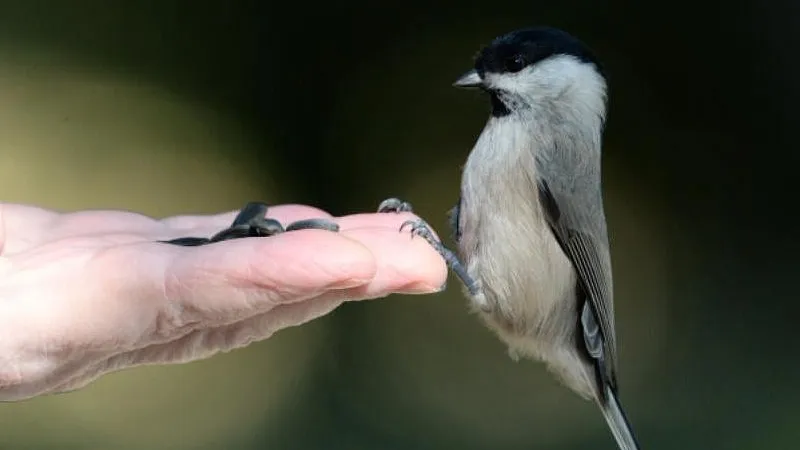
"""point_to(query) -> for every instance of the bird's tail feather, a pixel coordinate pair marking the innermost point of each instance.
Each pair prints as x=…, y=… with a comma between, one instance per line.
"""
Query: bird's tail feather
x=615, y=417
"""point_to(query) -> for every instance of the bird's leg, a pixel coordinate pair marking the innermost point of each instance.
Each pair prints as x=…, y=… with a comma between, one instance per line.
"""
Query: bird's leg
x=420, y=228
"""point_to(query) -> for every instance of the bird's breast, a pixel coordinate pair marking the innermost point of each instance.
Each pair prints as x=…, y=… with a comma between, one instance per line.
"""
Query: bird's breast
x=525, y=279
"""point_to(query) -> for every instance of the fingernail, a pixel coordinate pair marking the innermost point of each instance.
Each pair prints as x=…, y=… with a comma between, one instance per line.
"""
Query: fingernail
x=422, y=288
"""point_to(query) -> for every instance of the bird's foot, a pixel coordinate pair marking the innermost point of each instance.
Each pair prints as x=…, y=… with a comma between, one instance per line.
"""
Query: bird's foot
x=421, y=228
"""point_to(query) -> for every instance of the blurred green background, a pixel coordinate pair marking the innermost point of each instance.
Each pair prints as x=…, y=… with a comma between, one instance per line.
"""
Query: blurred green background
x=178, y=107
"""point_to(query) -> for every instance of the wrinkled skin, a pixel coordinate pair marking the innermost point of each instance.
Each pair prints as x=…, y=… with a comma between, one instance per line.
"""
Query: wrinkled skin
x=88, y=293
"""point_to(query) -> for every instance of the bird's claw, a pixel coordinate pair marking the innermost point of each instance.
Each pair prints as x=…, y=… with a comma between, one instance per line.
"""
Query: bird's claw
x=414, y=224
x=421, y=228
x=394, y=205
x=418, y=228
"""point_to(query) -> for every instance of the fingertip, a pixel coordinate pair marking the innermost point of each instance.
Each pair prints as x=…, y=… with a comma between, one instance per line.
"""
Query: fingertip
x=405, y=264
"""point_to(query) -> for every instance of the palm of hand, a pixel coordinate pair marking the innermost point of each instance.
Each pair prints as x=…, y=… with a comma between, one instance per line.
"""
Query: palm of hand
x=88, y=293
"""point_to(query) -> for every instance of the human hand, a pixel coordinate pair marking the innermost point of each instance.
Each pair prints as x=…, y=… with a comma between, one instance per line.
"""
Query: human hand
x=88, y=293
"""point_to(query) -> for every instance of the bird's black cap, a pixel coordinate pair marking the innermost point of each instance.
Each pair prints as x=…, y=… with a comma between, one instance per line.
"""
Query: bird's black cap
x=514, y=51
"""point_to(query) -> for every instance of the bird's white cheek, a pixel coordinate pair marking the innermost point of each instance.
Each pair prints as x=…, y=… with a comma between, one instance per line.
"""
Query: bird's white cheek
x=506, y=83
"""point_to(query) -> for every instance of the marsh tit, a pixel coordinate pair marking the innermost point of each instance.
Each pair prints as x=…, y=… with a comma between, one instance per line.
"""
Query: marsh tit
x=530, y=226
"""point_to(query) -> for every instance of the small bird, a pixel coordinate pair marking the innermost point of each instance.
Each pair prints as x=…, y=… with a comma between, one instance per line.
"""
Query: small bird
x=530, y=225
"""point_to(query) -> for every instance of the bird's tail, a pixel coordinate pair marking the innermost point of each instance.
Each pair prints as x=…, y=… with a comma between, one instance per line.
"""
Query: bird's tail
x=615, y=417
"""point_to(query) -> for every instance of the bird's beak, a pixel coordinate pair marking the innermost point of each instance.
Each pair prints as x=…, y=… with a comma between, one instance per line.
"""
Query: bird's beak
x=470, y=79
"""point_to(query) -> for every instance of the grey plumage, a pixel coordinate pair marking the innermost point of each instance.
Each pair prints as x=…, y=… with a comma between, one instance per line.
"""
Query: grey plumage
x=530, y=224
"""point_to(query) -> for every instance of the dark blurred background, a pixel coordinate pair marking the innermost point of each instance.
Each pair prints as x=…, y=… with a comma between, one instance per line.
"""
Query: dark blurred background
x=197, y=107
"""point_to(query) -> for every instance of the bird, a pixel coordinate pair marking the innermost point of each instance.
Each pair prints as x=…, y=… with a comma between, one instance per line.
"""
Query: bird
x=530, y=227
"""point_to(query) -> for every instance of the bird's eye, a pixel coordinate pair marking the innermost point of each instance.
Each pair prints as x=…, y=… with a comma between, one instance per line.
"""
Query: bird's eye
x=515, y=63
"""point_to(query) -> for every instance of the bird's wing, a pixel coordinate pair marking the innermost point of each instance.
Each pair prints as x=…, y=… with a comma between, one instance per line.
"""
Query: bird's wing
x=590, y=259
